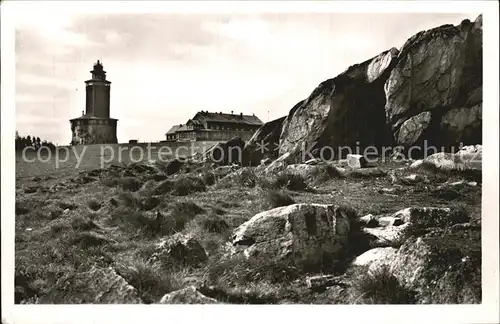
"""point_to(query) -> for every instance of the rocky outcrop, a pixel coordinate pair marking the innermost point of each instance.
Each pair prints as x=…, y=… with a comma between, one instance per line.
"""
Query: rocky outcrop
x=449, y=260
x=98, y=286
x=434, y=92
x=430, y=90
x=343, y=111
x=264, y=142
x=440, y=267
x=391, y=231
x=309, y=234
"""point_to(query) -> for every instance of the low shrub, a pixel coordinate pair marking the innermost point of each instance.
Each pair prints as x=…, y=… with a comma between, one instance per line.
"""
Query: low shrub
x=94, y=204
x=186, y=185
x=378, y=287
x=240, y=270
x=133, y=220
x=83, y=223
x=208, y=178
x=150, y=281
x=130, y=183
x=182, y=213
x=212, y=223
x=290, y=181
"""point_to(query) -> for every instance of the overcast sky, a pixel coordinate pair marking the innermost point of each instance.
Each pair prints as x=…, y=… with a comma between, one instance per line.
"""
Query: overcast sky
x=166, y=67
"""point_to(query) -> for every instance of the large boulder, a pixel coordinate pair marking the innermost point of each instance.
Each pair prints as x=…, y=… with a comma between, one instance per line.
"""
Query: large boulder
x=264, y=142
x=347, y=110
x=375, y=258
x=434, y=92
x=306, y=234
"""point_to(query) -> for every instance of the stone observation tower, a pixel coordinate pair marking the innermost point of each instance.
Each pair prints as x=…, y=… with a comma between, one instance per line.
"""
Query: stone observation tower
x=95, y=126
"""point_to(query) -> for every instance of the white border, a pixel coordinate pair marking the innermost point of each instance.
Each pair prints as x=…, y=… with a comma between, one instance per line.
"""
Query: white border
x=484, y=313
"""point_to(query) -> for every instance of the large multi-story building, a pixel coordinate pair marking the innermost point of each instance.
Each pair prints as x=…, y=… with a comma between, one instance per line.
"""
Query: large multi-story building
x=95, y=125
x=212, y=126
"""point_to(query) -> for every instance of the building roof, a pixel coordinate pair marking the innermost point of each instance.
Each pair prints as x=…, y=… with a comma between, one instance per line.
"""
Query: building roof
x=182, y=128
x=173, y=129
x=205, y=116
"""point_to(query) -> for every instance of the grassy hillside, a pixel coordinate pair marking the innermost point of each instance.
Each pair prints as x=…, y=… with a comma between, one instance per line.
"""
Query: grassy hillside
x=94, y=156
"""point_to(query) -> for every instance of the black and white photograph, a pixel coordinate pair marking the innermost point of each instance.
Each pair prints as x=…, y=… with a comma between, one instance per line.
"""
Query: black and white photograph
x=250, y=153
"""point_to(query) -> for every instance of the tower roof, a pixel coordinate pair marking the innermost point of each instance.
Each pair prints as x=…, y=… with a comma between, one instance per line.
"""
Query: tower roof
x=98, y=72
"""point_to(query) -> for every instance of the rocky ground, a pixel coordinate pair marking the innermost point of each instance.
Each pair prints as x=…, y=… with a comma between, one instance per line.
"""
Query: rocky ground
x=278, y=228
x=320, y=233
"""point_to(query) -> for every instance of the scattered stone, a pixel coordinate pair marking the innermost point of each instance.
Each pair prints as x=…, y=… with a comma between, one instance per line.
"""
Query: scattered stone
x=67, y=205
x=356, y=161
x=98, y=286
x=324, y=281
x=189, y=295
x=462, y=183
x=414, y=179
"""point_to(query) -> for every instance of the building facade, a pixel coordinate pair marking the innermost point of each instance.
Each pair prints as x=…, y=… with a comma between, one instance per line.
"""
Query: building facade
x=95, y=125
x=210, y=126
